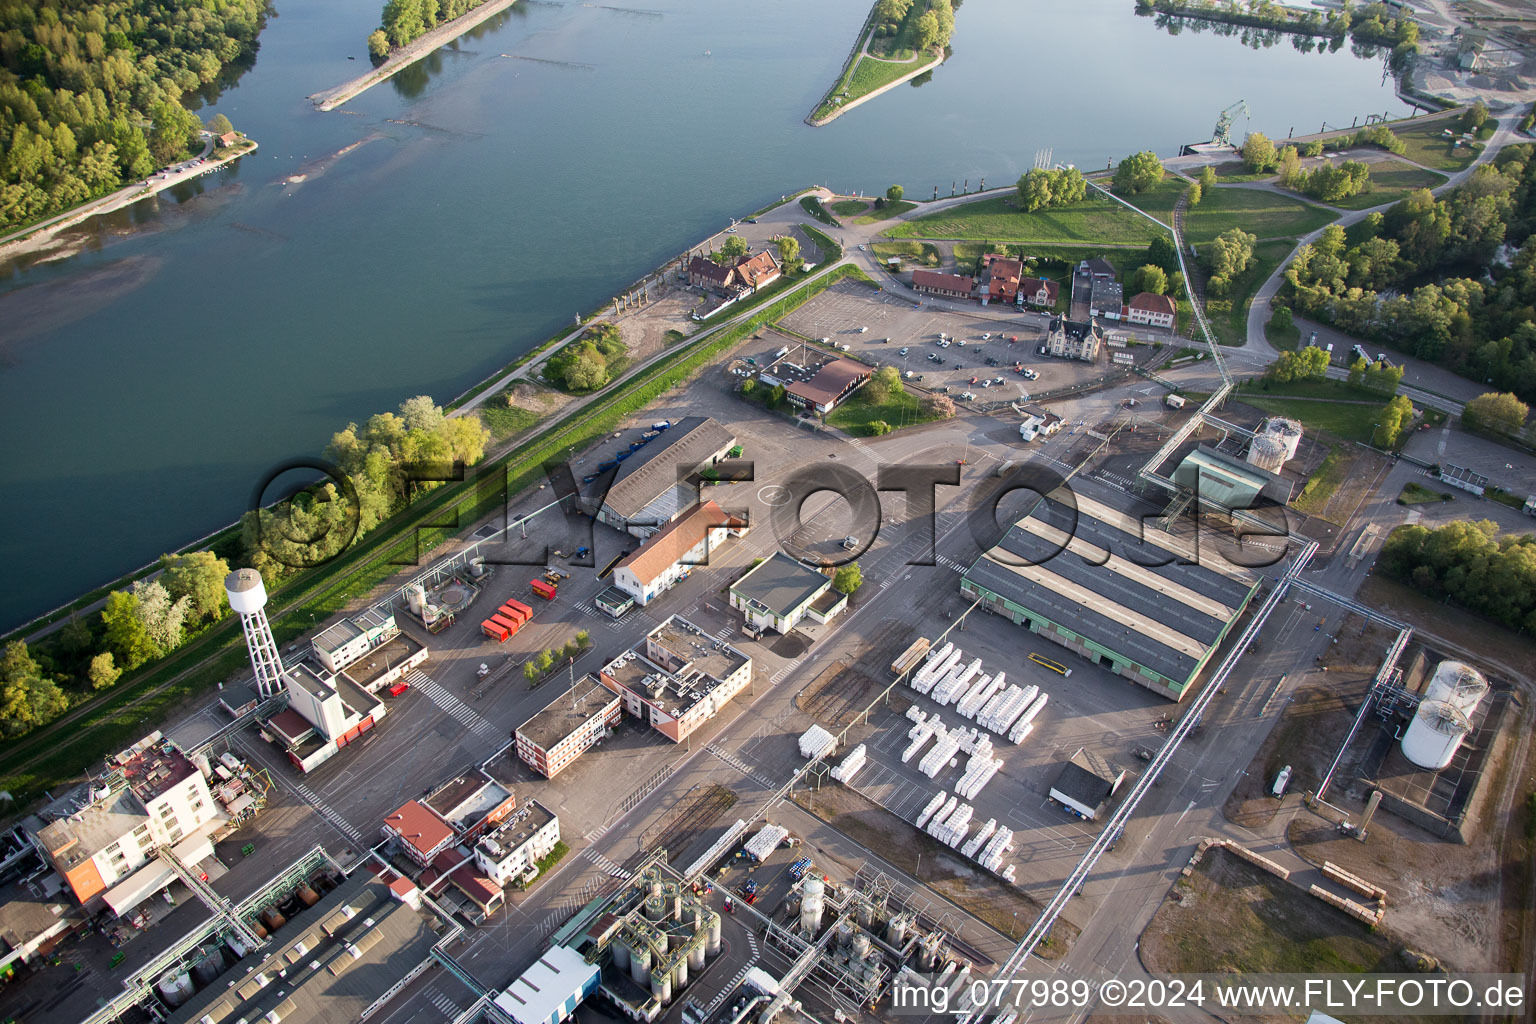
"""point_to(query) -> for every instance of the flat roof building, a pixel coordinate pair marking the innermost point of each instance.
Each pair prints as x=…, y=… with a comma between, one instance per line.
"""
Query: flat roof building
x=572, y=722
x=1086, y=781
x=777, y=593
x=677, y=678
x=668, y=555
x=647, y=490
x=832, y=383
x=336, y=709
x=1223, y=481
x=343, y=642
x=471, y=803
x=550, y=990
x=513, y=849
x=1144, y=603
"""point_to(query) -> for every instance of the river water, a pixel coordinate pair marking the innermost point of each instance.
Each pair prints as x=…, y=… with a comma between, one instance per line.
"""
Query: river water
x=457, y=215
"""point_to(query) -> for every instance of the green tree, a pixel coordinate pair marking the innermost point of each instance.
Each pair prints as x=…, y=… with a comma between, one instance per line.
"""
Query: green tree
x=882, y=385
x=583, y=639
x=848, y=578
x=175, y=131
x=925, y=32
x=126, y=636
x=546, y=659
x=1229, y=254
x=732, y=250
x=199, y=577
x=1498, y=412
x=1289, y=168
x=218, y=124
x=27, y=699
x=1163, y=253
x=1474, y=117
x=1394, y=416
x=1138, y=173
x=1357, y=371
x=748, y=386
x=875, y=428
x=1258, y=152
x=1150, y=277
x=102, y=673
x=1193, y=194
x=1383, y=378
x=894, y=193
x=1281, y=318
x=75, y=637
x=1312, y=148
x=789, y=253
x=1207, y=178
x=161, y=615
x=378, y=44
x=776, y=396
x=530, y=671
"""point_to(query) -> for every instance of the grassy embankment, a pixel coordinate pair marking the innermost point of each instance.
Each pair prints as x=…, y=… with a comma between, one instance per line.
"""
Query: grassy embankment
x=1093, y=220
x=1430, y=146
x=902, y=409
x=55, y=754
x=1260, y=212
x=925, y=253
x=1391, y=180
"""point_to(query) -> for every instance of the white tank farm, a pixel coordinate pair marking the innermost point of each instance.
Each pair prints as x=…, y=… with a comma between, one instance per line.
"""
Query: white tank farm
x=1444, y=717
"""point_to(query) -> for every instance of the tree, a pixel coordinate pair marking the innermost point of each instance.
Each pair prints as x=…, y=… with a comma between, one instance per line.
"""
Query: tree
x=218, y=124
x=378, y=44
x=1258, y=152
x=102, y=673
x=776, y=396
x=125, y=634
x=1207, y=178
x=939, y=407
x=1281, y=318
x=925, y=32
x=1496, y=412
x=749, y=385
x=1039, y=188
x=733, y=249
x=1150, y=278
x=1313, y=148
x=789, y=253
x=894, y=193
x=75, y=636
x=530, y=671
x=161, y=616
x=1357, y=371
x=1474, y=117
x=1382, y=377
x=884, y=384
x=1394, y=415
x=875, y=428
x=175, y=131
x=1138, y=172
x=1161, y=252
x=1193, y=194
x=546, y=659
x=27, y=699
x=1228, y=255
x=848, y=578
x=199, y=577
x=1290, y=166
x=583, y=639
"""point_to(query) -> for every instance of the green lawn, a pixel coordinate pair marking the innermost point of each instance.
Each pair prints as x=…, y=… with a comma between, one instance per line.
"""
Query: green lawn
x=1390, y=181
x=1321, y=485
x=1332, y=390
x=849, y=207
x=1234, y=171
x=997, y=218
x=886, y=212
x=855, y=415
x=1341, y=419
x=1428, y=145
x=1229, y=315
x=506, y=421
x=1285, y=338
x=925, y=252
x=1257, y=211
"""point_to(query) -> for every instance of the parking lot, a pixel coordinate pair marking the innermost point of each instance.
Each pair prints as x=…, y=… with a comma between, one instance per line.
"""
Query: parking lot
x=983, y=345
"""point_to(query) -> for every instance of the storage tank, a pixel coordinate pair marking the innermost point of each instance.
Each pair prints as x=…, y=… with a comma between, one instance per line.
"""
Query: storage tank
x=896, y=931
x=1287, y=432
x=680, y=975
x=812, y=896
x=208, y=969
x=1444, y=716
x=696, y=957
x=713, y=948
x=844, y=932
x=620, y=957
x=640, y=966
x=416, y=599
x=860, y=945
x=175, y=988
x=1267, y=453
x=661, y=987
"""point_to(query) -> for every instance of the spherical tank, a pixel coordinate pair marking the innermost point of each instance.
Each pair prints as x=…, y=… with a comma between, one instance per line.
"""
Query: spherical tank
x=247, y=594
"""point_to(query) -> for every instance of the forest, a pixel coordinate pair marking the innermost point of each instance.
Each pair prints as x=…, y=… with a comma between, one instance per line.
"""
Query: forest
x=1469, y=563
x=96, y=94
x=1447, y=279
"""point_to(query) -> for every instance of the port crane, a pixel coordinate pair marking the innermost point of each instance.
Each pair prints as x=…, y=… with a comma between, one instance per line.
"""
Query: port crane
x=1223, y=134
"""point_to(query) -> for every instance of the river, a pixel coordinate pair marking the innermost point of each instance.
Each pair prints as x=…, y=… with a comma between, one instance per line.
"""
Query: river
x=480, y=200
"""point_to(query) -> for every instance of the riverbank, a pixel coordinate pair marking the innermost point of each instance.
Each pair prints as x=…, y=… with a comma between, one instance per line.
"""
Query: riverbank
x=38, y=237
x=408, y=54
x=849, y=80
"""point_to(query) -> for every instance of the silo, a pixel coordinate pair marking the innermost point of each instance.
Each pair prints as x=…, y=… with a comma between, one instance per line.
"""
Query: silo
x=208, y=969
x=640, y=965
x=655, y=907
x=1444, y=716
x=416, y=599
x=896, y=931
x=1267, y=453
x=661, y=987
x=860, y=945
x=680, y=974
x=714, y=934
x=620, y=956
x=844, y=932
x=174, y=987
x=812, y=895
x=1287, y=432
x=696, y=956
x=866, y=913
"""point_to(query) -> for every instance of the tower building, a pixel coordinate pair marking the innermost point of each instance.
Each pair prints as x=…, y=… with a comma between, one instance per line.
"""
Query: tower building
x=248, y=598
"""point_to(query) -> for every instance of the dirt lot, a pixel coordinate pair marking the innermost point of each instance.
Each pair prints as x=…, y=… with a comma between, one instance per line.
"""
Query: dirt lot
x=979, y=893
x=1452, y=629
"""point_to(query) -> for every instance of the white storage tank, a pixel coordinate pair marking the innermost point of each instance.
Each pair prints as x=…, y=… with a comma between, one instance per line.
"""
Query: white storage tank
x=1267, y=453
x=1287, y=432
x=1444, y=717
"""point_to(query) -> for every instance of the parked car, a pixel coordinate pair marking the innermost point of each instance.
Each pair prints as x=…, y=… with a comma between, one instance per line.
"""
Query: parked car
x=968, y=397
x=903, y=352
x=987, y=336
x=863, y=330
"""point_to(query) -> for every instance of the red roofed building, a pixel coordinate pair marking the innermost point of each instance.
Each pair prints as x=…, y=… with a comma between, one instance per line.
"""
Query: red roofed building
x=1002, y=278
x=1037, y=291
x=1151, y=309
x=667, y=555
x=422, y=834
x=747, y=274
x=486, y=894
x=754, y=272
x=954, y=286
x=832, y=383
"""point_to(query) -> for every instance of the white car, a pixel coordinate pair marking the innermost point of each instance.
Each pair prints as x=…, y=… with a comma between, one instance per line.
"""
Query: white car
x=987, y=336
x=863, y=330
x=903, y=351
x=968, y=397
x=961, y=343
x=861, y=248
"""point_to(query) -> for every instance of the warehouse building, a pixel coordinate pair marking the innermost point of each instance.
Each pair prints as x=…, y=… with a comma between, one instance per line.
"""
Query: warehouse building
x=677, y=678
x=779, y=591
x=1086, y=781
x=1109, y=587
x=1225, y=481
x=646, y=490
x=573, y=722
x=550, y=990
x=673, y=551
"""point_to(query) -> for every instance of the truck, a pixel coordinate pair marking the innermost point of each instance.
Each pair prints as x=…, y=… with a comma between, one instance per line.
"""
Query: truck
x=1174, y=401
x=910, y=658
x=749, y=890
x=798, y=869
x=660, y=425
x=545, y=590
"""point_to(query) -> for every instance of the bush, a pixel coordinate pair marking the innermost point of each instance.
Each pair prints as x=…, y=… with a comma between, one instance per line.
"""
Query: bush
x=877, y=427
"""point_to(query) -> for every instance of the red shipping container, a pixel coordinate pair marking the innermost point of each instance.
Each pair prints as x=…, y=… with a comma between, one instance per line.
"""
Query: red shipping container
x=495, y=630
x=544, y=590
x=512, y=614
x=527, y=611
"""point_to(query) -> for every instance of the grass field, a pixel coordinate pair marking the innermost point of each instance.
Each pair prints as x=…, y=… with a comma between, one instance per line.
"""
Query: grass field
x=1344, y=420
x=1257, y=211
x=504, y=421
x=886, y=212
x=1390, y=181
x=855, y=415
x=1092, y=220
x=1428, y=145
x=1284, y=338
x=849, y=207
x=925, y=252
x=1321, y=485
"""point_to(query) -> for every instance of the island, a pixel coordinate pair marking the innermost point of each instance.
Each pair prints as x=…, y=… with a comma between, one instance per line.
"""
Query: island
x=900, y=40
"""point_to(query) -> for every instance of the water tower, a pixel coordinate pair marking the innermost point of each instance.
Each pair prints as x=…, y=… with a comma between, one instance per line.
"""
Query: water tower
x=248, y=599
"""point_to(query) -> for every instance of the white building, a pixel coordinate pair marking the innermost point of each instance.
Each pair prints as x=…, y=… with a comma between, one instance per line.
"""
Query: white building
x=1151, y=309
x=677, y=678
x=671, y=553
x=339, y=645
x=325, y=713
x=550, y=990
x=516, y=845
